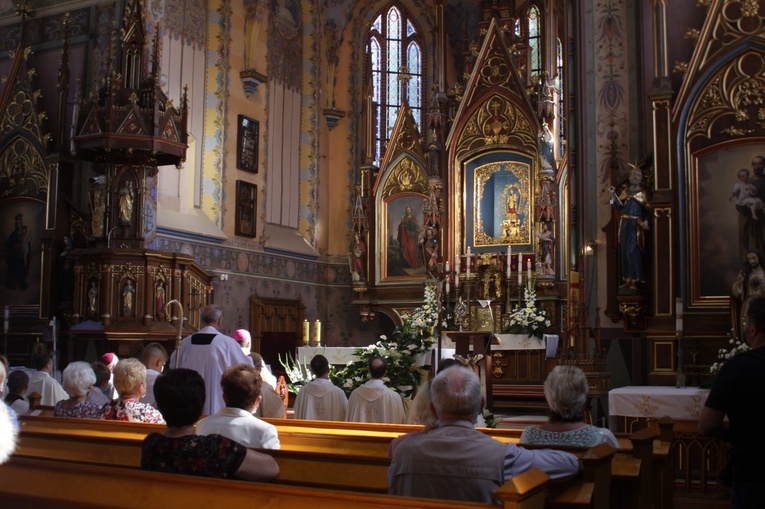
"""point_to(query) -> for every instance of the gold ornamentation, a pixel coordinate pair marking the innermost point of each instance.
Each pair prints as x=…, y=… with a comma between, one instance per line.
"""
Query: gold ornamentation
x=496, y=121
x=518, y=192
x=646, y=407
x=692, y=33
x=406, y=176
x=680, y=66
x=736, y=132
x=631, y=310
x=749, y=8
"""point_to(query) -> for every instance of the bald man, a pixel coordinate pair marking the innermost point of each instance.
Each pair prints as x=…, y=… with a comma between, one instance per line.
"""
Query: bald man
x=373, y=401
x=210, y=353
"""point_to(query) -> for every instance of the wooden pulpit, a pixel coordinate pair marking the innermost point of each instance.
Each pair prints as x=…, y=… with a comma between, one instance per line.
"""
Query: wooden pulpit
x=479, y=341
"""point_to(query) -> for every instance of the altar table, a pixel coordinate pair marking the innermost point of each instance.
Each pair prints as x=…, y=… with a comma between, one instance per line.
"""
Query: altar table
x=337, y=355
x=627, y=405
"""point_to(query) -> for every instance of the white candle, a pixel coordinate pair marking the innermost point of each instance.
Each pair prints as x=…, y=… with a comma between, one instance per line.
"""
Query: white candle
x=468, y=263
x=447, y=266
x=528, y=269
x=457, y=265
x=457, y=280
x=520, y=269
x=509, y=256
x=317, y=332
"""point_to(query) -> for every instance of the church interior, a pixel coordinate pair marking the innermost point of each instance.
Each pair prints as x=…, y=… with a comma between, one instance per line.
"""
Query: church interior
x=309, y=166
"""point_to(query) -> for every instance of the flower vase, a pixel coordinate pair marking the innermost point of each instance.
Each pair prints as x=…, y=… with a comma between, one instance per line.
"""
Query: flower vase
x=423, y=359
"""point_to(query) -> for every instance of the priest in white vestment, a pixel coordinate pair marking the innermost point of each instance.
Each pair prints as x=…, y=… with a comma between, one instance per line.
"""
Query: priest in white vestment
x=209, y=353
x=45, y=385
x=320, y=399
x=373, y=401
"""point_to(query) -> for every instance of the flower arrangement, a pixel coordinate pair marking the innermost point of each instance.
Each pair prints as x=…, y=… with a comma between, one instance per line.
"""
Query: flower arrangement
x=528, y=319
x=415, y=336
x=724, y=355
x=298, y=374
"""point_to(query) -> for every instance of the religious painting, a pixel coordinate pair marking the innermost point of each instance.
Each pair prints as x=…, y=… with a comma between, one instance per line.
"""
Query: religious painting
x=246, y=199
x=247, y=143
x=402, y=233
x=20, y=229
x=726, y=218
x=501, y=211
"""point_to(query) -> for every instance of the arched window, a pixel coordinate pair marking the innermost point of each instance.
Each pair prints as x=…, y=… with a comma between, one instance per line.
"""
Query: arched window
x=535, y=42
x=395, y=47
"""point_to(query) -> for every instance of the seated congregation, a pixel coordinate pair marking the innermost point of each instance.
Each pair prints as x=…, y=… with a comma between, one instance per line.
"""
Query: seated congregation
x=447, y=459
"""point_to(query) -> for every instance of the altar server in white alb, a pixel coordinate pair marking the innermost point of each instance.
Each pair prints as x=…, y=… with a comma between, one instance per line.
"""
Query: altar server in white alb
x=241, y=389
x=320, y=399
x=209, y=353
x=43, y=383
x=373, y=401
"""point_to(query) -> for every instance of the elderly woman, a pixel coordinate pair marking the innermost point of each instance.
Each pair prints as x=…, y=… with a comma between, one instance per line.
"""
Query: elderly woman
x=78, y=378
x=566, y=394
x=130, y=384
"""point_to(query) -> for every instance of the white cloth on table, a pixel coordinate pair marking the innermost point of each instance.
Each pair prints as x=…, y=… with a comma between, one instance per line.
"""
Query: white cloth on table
x=321, y=400
x=47, y=387
x=240, y=426
x=374, y=402
x=210, y=358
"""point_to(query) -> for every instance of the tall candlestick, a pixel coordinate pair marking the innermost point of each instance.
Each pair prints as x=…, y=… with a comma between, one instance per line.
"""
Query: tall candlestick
x=306, y=332
x=457, y=265
x=317, y=333
x=468, y=263
x=509, y=256
x=679, y=315
x=447, y=287
x=457, y=280
x=528, y=269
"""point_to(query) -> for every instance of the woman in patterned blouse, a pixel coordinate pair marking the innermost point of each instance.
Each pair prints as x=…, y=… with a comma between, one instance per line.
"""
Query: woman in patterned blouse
x=566, y=394
x=180, y=397
x=130, y=384
x=77, y=379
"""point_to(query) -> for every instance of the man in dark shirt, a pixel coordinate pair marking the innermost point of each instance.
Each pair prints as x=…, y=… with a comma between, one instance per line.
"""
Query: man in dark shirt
x=737, y=392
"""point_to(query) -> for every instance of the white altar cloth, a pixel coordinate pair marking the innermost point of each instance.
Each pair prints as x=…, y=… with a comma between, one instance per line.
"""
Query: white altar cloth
x=683, y=403
x=334, y=354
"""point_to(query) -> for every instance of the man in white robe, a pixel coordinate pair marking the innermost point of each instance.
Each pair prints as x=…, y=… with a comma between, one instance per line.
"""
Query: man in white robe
x=241, y=390
x=373, y=401
x=209, y=353
x=45, y=385
x=320, y=399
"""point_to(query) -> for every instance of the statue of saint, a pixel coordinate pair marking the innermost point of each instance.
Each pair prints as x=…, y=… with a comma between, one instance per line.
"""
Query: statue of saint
x=98, y=207
x=546, y=154
x=357, y=258
x=93, y=299
x=429, y=248
x=749, y=284
x=160, y=300
x=128, y=293
x=546, y=239
x=126, y=197
x=634, y=205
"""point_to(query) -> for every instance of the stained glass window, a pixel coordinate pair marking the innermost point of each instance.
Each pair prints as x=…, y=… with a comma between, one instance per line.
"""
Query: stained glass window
x=395, y=46
x=535, y=41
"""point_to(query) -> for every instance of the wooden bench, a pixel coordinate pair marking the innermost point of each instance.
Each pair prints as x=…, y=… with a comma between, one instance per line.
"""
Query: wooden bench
x=77, y=485
x=119, y=443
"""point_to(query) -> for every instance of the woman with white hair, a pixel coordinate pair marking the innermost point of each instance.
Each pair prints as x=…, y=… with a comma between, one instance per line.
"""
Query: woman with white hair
x=78, y=377
x=566, y=394
x=130, y=383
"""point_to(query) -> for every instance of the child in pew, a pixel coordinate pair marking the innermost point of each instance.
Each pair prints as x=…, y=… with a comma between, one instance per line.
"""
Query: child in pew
x=566, y=394
x=78, y=378
x=18, y=384
x=102, y=391
x=180, y=395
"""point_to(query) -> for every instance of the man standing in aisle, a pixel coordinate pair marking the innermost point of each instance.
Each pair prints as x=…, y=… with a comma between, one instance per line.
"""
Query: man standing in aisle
x=209, y=353
x=737, y=393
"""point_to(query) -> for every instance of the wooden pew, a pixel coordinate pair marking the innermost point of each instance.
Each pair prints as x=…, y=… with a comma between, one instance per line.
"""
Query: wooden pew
x=119, y=443
x=76, y=485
